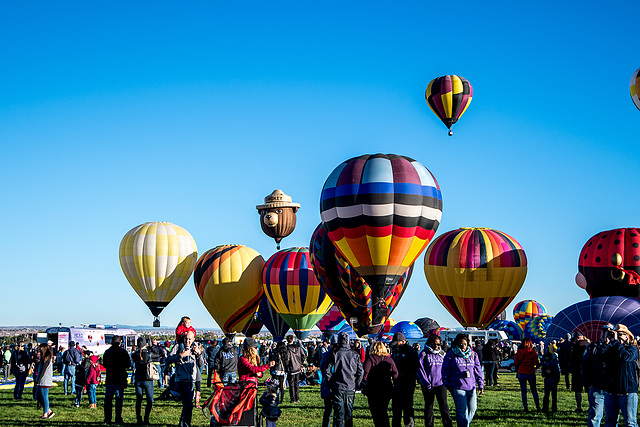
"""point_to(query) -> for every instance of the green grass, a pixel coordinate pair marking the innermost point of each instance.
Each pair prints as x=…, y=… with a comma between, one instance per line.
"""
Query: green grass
x=500, y=406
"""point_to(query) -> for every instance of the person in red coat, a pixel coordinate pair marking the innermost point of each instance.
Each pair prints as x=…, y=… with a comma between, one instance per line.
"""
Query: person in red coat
x=526, y=362
x=249, y=368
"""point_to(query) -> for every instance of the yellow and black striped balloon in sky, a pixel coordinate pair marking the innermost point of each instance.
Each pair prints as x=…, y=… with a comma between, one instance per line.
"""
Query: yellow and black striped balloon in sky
x=158, y=258
x=448, y=97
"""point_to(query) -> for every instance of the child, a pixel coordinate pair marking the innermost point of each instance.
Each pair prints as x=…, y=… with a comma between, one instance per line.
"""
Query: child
x=270, y=401
x=183, y=327
x=81, y=382
x=93, y=379
x=551, y=374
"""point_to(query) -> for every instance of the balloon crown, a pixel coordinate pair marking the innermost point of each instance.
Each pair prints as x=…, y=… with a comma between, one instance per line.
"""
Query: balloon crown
x=278, y=199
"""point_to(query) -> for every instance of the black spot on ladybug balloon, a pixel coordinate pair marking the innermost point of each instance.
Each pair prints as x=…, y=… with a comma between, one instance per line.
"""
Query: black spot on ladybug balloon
x=609, y=264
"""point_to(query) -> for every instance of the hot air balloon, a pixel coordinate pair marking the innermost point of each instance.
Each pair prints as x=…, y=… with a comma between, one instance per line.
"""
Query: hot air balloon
x=536, y=328
x=448, y=97
x=254, y=325
x=346, y=288
x=409, y=329
x=331, y=320
x=272, y=320
x=293, y=290
x=475, y=273
x=512, y=329
x=610, y=263
x=527, y=310
x=157, y=258
x=278, y=215
x=228, y=280
x=380, y=211
x=633, y=87
x=590, y=316
x=427, y=325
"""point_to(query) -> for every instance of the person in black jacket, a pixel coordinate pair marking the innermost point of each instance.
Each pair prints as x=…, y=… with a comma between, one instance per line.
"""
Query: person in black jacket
x=621, y=389
x=211, y=352
x=490, y=359
x=563, y=359
x=294, y=364
x=226, y=362
x=116, y=361
x=141, y=358
x=343, y=372
x=593, y=374
x=576, y=351
x=406, y=360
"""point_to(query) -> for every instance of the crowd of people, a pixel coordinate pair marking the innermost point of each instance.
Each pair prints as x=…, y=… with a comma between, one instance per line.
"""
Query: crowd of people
x=387, y=374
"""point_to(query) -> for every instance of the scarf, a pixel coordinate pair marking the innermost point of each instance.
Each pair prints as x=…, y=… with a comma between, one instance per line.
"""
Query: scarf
x=459, y=353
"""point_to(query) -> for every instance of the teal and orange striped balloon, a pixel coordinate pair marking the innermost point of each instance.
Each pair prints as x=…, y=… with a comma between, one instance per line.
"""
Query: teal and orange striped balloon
x=448, y=97
x=475, y=273
x=294, y=291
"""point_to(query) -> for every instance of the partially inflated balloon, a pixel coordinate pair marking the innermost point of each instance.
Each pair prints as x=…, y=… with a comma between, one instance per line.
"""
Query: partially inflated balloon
x=526, y=310
x=512, y=329
x=330, y=320
x=158, y=258
x=475, y=273
x=294, y=291
x=448, y=97
x=272, y=320
x=409, y=329
x=536, y=328
x=228, y=280
x=634, y=86
x=381, y=211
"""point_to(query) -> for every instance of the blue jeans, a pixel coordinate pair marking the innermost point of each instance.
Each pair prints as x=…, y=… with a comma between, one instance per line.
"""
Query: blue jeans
x=466, y=403
x=596, y=406
x=186, y=394
x=627, y=404
x=110, y=391
x=531, y=379
x=69, y=376
x=21, y=377
x=160, y=367
x=79, y=392
x=230, y=378
x=145, y=387
x=343, y=408
x=91, y=390
x=44, y=398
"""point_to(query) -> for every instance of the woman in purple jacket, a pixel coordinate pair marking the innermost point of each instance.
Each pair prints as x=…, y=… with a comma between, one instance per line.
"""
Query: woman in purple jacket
x=461, y=372
x=430, y=379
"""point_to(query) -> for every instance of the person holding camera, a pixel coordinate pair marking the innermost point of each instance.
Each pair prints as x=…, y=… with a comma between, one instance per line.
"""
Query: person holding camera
x=593, y=374
x=621, y=390
x=187, y=362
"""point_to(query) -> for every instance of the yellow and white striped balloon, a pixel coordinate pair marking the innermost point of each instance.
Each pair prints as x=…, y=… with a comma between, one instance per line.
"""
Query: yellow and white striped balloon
x=158, y=258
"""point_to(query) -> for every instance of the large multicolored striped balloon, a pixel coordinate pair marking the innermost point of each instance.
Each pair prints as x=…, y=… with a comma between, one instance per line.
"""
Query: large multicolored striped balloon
x=348, y=290
x=228, y=280
x=475, y=273
x=536, y=328
x=331, y=320
x=272, y=320
x=448, y=97
x=590, y=316
x=610, y=263
x=381, y=211
x=293, y=290
x=526, y=310
x=634, y=86
x=158, y=258
x=512, y=329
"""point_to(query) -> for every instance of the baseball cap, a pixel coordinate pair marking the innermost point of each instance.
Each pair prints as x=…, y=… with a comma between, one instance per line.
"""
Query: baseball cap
x=397, y=337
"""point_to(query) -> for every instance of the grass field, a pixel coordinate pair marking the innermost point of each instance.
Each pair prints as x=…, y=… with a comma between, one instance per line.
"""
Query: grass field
x=499, y=406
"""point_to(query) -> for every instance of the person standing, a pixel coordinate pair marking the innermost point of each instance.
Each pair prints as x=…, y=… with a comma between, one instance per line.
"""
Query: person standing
x=6, y=362
x=406, y=360
x=226, y=362
x=576, y=351
x=249, y=368
x=70, y=359
x=293, y=366
x=490, y=360
x=116, y=361
x=325, y=391
x=461, y=373
x=430, y=379
x=563, y=359
x=379, y=370
x=158, y=357
x=211, y=353
x=93, y=379
x=526, y=362
x=344, y=374
x=593, y=374
x=279, y=358
x=621, y=390
x=141, y=358
x=187, y=363
x=551, y=374
x=44, y=380
x=20, y=368
x=80, y=383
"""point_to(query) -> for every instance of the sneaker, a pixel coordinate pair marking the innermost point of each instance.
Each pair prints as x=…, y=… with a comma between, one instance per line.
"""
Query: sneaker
x=50, y=414
x=578, y=410
x=77, y=405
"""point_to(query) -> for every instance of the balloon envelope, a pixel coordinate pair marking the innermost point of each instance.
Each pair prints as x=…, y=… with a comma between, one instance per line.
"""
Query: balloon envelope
x=634, y=86
x=409, y=329
x=427, y=325
x=536, y=328
x=381, y=211
x=157, y=259
x=293, y=290
x=272, y=320
x=330, y=320
x=512, y=329
x=228, y=280
x=588, y=317
x=527, y=310
x=448, y=97
x=475, y=273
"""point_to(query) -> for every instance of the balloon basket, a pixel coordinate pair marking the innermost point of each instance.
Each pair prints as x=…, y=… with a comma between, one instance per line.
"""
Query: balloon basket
x=156, y=322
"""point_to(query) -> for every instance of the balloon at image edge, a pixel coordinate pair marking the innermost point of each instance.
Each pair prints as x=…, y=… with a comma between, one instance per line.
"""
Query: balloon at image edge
x=475, y=273
x=634, y=86
x=448, y=97
x=157, y=259
x=294, y=291
x=228, y=280
x=380, y=211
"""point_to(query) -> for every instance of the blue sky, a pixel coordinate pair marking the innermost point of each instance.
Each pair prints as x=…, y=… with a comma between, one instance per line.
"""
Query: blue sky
x=115, y=114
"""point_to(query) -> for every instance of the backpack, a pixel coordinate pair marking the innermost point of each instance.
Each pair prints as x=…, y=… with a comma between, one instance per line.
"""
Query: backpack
x=152, y=372
x=66, y=357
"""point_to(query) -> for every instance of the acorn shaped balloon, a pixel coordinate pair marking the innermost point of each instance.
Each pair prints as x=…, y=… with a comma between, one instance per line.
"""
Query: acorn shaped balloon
x=278, y=215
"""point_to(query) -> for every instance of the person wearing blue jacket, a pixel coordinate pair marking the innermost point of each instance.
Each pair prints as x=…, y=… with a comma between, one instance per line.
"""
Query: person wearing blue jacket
x=621, y=391
x=430, y=379
x=461, y=374
x=550, y=370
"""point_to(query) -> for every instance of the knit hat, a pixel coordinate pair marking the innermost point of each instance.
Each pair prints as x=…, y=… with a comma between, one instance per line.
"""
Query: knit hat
x=249, y=342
